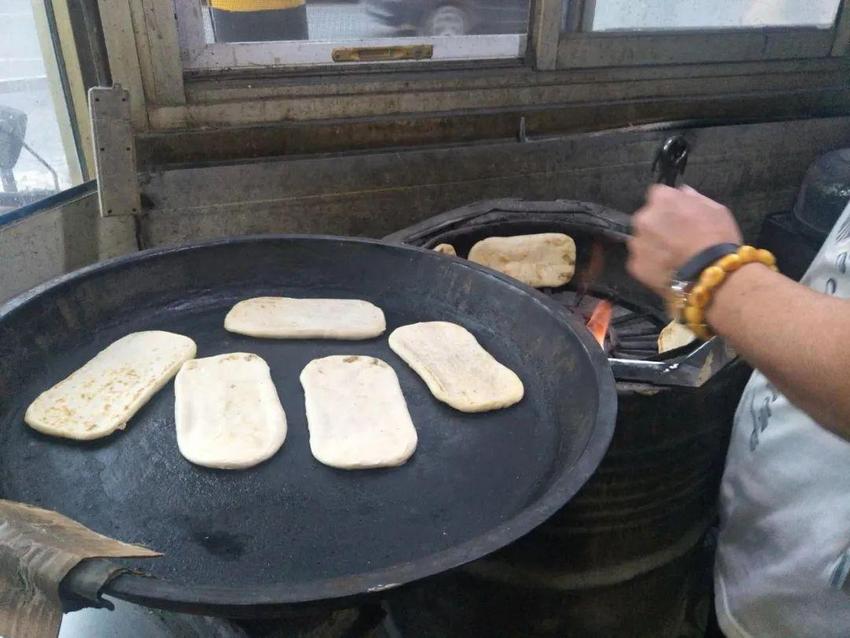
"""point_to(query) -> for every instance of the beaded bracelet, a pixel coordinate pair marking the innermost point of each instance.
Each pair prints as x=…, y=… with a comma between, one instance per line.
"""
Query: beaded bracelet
x=702, y=294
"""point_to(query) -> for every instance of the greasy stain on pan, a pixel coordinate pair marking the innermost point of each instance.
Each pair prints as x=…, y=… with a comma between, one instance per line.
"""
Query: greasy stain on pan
x=293, y=532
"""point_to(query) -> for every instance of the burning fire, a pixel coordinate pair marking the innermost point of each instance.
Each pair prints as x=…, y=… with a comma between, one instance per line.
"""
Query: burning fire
x=599, y=320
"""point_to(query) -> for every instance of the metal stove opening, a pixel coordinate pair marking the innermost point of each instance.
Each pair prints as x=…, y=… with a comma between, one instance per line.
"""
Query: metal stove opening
x=600, y=234
x=637, y=319
x=633, y=331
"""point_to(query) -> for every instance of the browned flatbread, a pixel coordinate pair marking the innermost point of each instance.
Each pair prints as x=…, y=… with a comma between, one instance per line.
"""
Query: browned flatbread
x=543, y=260
x=674, y=335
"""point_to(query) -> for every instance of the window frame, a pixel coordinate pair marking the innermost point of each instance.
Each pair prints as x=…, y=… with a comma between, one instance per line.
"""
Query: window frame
x=143, y=46
x=63, y=80
x=579, y=47
x=198, y=55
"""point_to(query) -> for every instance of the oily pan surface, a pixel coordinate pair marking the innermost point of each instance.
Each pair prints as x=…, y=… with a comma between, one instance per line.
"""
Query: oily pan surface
x=290, y=526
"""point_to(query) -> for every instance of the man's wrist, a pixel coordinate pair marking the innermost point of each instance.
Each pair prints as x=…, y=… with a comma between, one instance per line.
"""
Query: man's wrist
x=701, y=296
x=733, y=294
x=686, y=277
x=704, y=258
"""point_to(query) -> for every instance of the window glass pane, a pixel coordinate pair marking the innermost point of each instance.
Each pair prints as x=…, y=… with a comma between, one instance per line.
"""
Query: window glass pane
x=341, y=20
x=38, y=154
x=614, y=15
x=251, y=33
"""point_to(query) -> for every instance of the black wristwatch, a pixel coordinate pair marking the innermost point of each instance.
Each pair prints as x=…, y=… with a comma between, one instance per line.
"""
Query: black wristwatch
x=685, y=278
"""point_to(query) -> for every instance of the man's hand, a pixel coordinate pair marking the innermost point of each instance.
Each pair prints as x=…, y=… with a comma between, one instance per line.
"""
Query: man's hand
x=799, y=338
x=673, y=226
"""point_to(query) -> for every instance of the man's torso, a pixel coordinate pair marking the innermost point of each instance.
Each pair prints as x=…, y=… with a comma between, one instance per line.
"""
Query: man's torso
x=784, y=551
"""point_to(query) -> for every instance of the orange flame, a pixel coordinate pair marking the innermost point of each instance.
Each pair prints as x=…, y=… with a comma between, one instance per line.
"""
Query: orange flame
x=599, y=320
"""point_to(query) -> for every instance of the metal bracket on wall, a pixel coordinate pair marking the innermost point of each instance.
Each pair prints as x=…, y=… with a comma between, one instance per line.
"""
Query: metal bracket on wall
x=114, y=151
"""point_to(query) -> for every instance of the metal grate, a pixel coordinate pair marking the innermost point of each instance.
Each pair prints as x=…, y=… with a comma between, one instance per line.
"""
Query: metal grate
x=633, y=333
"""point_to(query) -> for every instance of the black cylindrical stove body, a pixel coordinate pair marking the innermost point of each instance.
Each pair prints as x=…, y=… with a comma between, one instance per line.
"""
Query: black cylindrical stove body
x=625, y=557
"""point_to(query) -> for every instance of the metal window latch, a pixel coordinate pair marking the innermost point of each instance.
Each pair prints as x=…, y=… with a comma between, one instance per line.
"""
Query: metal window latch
x=671, y=160
x=114, y=151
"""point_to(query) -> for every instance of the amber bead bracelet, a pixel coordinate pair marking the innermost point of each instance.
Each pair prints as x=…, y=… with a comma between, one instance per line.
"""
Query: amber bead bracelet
x=702, y=294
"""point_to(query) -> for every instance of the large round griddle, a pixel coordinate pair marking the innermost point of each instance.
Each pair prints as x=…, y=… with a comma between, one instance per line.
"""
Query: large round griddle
x=292, y=531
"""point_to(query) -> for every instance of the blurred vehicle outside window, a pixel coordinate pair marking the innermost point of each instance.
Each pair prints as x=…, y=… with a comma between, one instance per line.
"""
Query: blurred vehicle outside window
x=226, y=34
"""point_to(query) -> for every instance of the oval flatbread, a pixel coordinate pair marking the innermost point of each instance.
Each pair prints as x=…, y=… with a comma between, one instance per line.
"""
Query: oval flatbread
x=455, y=367
x=227, y=411
x=290, y=318
x=356, y=413
x=106, y=392
x=541, y=260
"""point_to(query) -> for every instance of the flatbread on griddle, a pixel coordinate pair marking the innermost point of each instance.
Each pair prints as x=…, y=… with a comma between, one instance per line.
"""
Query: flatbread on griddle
x=455, y=367
x=106, y=392
x=227, y=411
x=290, y=318
x=356, y=413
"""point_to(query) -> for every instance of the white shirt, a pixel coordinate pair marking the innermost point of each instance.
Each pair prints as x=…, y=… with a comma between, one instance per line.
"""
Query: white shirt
x=784, y=551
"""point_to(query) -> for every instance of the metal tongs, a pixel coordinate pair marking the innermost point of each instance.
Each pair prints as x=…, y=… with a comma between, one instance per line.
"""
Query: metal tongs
x=671, y=160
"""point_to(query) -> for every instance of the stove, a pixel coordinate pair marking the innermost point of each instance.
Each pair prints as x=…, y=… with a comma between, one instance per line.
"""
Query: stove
x=633, y=331
x=600, y=234
x=627, y=555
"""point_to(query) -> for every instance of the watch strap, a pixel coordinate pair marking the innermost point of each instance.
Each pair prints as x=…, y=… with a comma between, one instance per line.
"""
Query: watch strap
x=702, y=260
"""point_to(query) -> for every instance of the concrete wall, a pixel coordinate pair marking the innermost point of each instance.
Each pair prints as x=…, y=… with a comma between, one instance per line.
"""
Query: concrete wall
x=756, y=169
x=60, y=238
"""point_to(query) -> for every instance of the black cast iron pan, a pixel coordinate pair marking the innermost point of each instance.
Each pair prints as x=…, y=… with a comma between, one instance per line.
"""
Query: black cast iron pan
x=291, y=531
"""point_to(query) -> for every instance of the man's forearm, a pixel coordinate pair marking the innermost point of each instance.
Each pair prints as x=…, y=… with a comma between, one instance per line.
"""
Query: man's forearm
x=798, y=338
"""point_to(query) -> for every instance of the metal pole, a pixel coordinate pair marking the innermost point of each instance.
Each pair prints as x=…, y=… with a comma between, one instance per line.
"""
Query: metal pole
x=7, y=177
